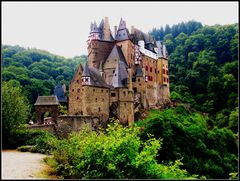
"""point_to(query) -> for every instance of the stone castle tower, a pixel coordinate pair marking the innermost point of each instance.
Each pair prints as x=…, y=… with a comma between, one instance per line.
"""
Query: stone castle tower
x=125, y=71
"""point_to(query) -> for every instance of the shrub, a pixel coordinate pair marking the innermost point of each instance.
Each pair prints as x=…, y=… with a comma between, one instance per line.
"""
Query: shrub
x=116, y=153
x=211, y=153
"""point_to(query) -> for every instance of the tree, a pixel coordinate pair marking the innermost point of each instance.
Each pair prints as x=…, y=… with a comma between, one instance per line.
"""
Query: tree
x=15, y=110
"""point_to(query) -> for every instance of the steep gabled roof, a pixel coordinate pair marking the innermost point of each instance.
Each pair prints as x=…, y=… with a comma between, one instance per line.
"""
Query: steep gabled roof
x=165, y=53
x=159, y=46
x=46, y=101
x=95, y=76
x=120, y=75
x=117, y=53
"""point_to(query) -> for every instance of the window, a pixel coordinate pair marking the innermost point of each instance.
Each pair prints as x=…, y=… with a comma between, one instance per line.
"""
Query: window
x=78, y=90
x=77, y=98
x=167, y=72
x=103, y=100
x=93, y=90
x=77, y=81
x=155, y=71
x=163, y=71
x=138, y=79
x=72, y=90
x=106, y=91
x=119, y=35
x=158, y=71
x=96, y=99
x=113, y=71
x=150, y=69
x=101, y=90
x=124, y=93
x=140, y=84
x=146, y=68
x=113, y=94
x=99, y=109
x=164, y=79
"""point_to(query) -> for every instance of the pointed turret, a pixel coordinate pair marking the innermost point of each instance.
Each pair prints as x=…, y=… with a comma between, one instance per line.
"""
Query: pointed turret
x=86, y=75
x=94, y=33
x=104, y=30
x=122, y=32
x=120, y=75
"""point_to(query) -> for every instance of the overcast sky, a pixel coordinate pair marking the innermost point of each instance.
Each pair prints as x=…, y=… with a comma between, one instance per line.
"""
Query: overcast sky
x=62, y=27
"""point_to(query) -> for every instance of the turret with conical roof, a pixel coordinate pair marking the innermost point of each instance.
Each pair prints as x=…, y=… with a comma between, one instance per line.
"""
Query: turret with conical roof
x=86, y=75
x=122, y=32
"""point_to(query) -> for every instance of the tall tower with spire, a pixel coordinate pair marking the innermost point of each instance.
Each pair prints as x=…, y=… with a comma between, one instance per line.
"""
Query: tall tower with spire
x=100, y=43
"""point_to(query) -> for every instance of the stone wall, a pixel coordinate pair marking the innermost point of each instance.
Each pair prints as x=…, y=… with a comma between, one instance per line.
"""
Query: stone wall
x=68, y=123
x=96, y=102
x=51, y=128
x=75, y=93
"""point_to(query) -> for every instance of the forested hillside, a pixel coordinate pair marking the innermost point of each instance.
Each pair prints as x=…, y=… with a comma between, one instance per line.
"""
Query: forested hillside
x=203, y=65
x=37, y=71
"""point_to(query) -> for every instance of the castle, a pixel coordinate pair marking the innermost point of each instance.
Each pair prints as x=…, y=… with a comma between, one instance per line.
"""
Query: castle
x=125, y=71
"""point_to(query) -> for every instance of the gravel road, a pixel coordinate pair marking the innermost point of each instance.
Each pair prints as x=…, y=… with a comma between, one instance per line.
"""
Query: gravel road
x=21, y=165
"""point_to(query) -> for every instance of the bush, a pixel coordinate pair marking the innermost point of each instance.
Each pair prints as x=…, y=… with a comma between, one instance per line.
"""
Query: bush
x=36, y=141
x=116, y=153
x=186, y=135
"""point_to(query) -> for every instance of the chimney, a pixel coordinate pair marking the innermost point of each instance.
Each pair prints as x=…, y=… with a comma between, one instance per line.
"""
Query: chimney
x=132, y=29
x=106, y=20
x=115, y=31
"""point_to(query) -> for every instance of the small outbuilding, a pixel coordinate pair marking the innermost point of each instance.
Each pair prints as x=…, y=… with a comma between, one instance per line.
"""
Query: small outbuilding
x=48, y=104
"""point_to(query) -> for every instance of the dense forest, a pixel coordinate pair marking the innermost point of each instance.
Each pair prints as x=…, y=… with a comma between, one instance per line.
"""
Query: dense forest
x=37, y=71
x=196, y=139
x=203, y=66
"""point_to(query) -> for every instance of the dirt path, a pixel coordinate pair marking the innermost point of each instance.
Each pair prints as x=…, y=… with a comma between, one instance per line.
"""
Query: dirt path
x=21, y=165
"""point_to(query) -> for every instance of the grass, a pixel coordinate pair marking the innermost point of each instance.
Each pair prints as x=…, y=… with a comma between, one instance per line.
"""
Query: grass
x=47, y=171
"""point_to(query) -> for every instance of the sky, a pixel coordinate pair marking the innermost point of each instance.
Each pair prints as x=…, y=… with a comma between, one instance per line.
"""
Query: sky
x=62, y=28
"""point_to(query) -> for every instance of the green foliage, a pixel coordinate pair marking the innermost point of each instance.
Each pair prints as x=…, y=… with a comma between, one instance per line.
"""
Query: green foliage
x=15, y=111
x=37, y=71
x=62, y=110
x=115, y=153
x=203, y=66
x=45, y=144
x=233, y=120
x=188, y=136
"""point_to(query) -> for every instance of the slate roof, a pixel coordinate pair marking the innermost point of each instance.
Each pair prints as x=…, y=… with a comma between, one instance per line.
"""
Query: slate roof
x=59, y=92
x=94, y=27
x=165, y=53
x=120, y=75
x=122, y=32
x=95, y=76
x=46, y=101
x=117, y=53
x=159, y=45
